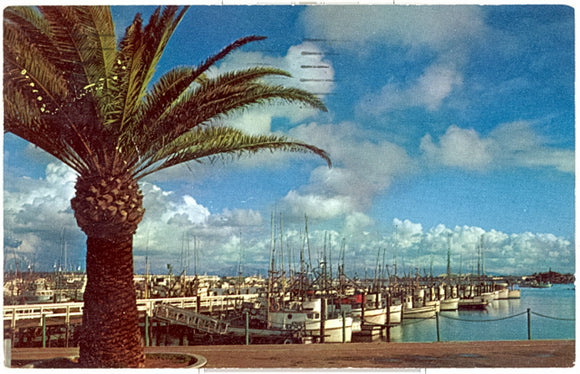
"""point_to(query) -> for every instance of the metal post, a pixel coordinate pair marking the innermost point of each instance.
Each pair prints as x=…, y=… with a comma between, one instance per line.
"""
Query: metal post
x=343, y=326
x=388, y=326
x=43, y=331
x=7, y=352
x=322, y=319
x=146, y=329
x=247, y=328
x=529, y=325
x=437, y=324
x=66, y=334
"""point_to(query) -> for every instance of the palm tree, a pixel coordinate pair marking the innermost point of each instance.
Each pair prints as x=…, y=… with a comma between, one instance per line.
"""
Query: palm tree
x=73, y=91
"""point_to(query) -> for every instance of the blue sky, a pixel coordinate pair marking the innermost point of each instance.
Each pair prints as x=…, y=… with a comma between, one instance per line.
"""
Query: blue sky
x=443, y=122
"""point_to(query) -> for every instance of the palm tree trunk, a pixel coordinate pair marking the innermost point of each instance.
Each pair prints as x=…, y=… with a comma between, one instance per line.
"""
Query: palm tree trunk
x=110, y=327
x=108, y=210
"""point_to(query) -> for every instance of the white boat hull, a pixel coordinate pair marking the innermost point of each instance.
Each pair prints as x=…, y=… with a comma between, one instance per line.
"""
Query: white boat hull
x=395, y=313
x=514, y=294
x=336, y=330
x=434, y=303
x=420, y=312
x=376, y=316
x=473, y=304
x=450, y=304
x=503, y=294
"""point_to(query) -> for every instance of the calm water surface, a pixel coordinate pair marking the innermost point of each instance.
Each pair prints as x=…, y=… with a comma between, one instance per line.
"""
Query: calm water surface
x=502, y=320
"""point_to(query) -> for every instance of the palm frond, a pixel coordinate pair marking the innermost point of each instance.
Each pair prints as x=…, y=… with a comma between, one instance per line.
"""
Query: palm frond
x=51, y=73
x=28, y=50
x=151, y=130
x=219, y=97
x=71, y=90
x=28, y=122
x=214, y=100
x=140, y=52
x=103, y=37
x=174, y=83
x=204, y=143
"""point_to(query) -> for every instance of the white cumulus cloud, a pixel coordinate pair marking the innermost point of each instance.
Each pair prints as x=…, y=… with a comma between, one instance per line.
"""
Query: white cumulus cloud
x=462, y=148
x=513, y=144
x=362, y=170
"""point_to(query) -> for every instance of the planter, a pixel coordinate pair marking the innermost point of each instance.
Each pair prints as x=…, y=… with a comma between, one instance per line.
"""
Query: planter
x=152, y=360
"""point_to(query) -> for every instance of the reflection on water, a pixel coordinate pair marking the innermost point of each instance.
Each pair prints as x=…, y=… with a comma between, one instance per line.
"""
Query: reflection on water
x=502, y=320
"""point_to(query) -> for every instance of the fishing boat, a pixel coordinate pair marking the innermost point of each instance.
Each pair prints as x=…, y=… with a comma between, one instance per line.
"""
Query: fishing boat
x=476, y=303
x=514, y=293
x=434, y=303
x=421, y=312
x=38, y=292
x=38, y=296
x=372, y=316
x=490, y=296
x=503, y=294
x=541, y=284
x=378, y=316
x=395, y=313
x=306, y=315
x=412, y=310
x=449, y=304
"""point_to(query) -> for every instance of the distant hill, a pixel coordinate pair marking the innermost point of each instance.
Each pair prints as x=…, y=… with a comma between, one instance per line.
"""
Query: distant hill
x=553, y=277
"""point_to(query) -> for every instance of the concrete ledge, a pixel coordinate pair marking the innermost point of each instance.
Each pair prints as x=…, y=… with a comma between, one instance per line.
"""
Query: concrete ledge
x=512, y=354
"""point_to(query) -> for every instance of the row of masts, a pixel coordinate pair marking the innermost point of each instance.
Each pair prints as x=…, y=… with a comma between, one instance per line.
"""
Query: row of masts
x=322, y=276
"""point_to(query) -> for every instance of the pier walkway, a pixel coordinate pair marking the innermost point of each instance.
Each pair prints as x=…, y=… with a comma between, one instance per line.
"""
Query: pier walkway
x=496, y=354
x=63, y=313
x=186, y=317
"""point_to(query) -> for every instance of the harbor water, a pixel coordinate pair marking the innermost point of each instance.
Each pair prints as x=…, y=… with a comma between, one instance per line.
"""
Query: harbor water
x=551, y=315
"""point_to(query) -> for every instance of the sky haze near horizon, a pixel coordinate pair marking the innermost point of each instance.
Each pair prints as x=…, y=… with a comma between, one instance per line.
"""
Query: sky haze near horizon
x=448, y=126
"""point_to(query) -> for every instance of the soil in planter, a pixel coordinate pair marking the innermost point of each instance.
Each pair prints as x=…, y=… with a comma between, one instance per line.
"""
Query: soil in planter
x=152, y=360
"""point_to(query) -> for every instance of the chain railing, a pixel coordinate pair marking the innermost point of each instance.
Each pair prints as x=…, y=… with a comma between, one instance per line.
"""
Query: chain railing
x=528, y=313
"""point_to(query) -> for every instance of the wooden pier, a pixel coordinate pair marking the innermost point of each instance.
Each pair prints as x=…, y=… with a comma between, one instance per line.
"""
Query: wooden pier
x=58, y=323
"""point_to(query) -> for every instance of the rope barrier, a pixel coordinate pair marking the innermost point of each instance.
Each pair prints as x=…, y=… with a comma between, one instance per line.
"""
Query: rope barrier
x=556, y=318
x=528, y=313
x=485, y=320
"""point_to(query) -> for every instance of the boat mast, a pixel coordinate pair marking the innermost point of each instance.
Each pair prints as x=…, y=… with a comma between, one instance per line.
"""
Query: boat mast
x=241, y=254
x=341, y=275
x=449, y=256
x=482, y=257
x=195, y=255
x=478, y=261
x=309, y=266
x=147, y=267
x=282, y=265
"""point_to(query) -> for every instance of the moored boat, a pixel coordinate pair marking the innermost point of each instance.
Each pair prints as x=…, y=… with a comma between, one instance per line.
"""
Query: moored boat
x=450, y=304
x=395, y=312
x=434, y=303
x=307, y=315
x=420, y=312
x=411, y=311
x=541, y=285
x=477, y=303
x=503, y=294
x=38, y=292
x=336, y=330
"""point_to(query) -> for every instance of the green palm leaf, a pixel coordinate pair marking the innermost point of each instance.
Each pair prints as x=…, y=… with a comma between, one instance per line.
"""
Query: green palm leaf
x=206, y=142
